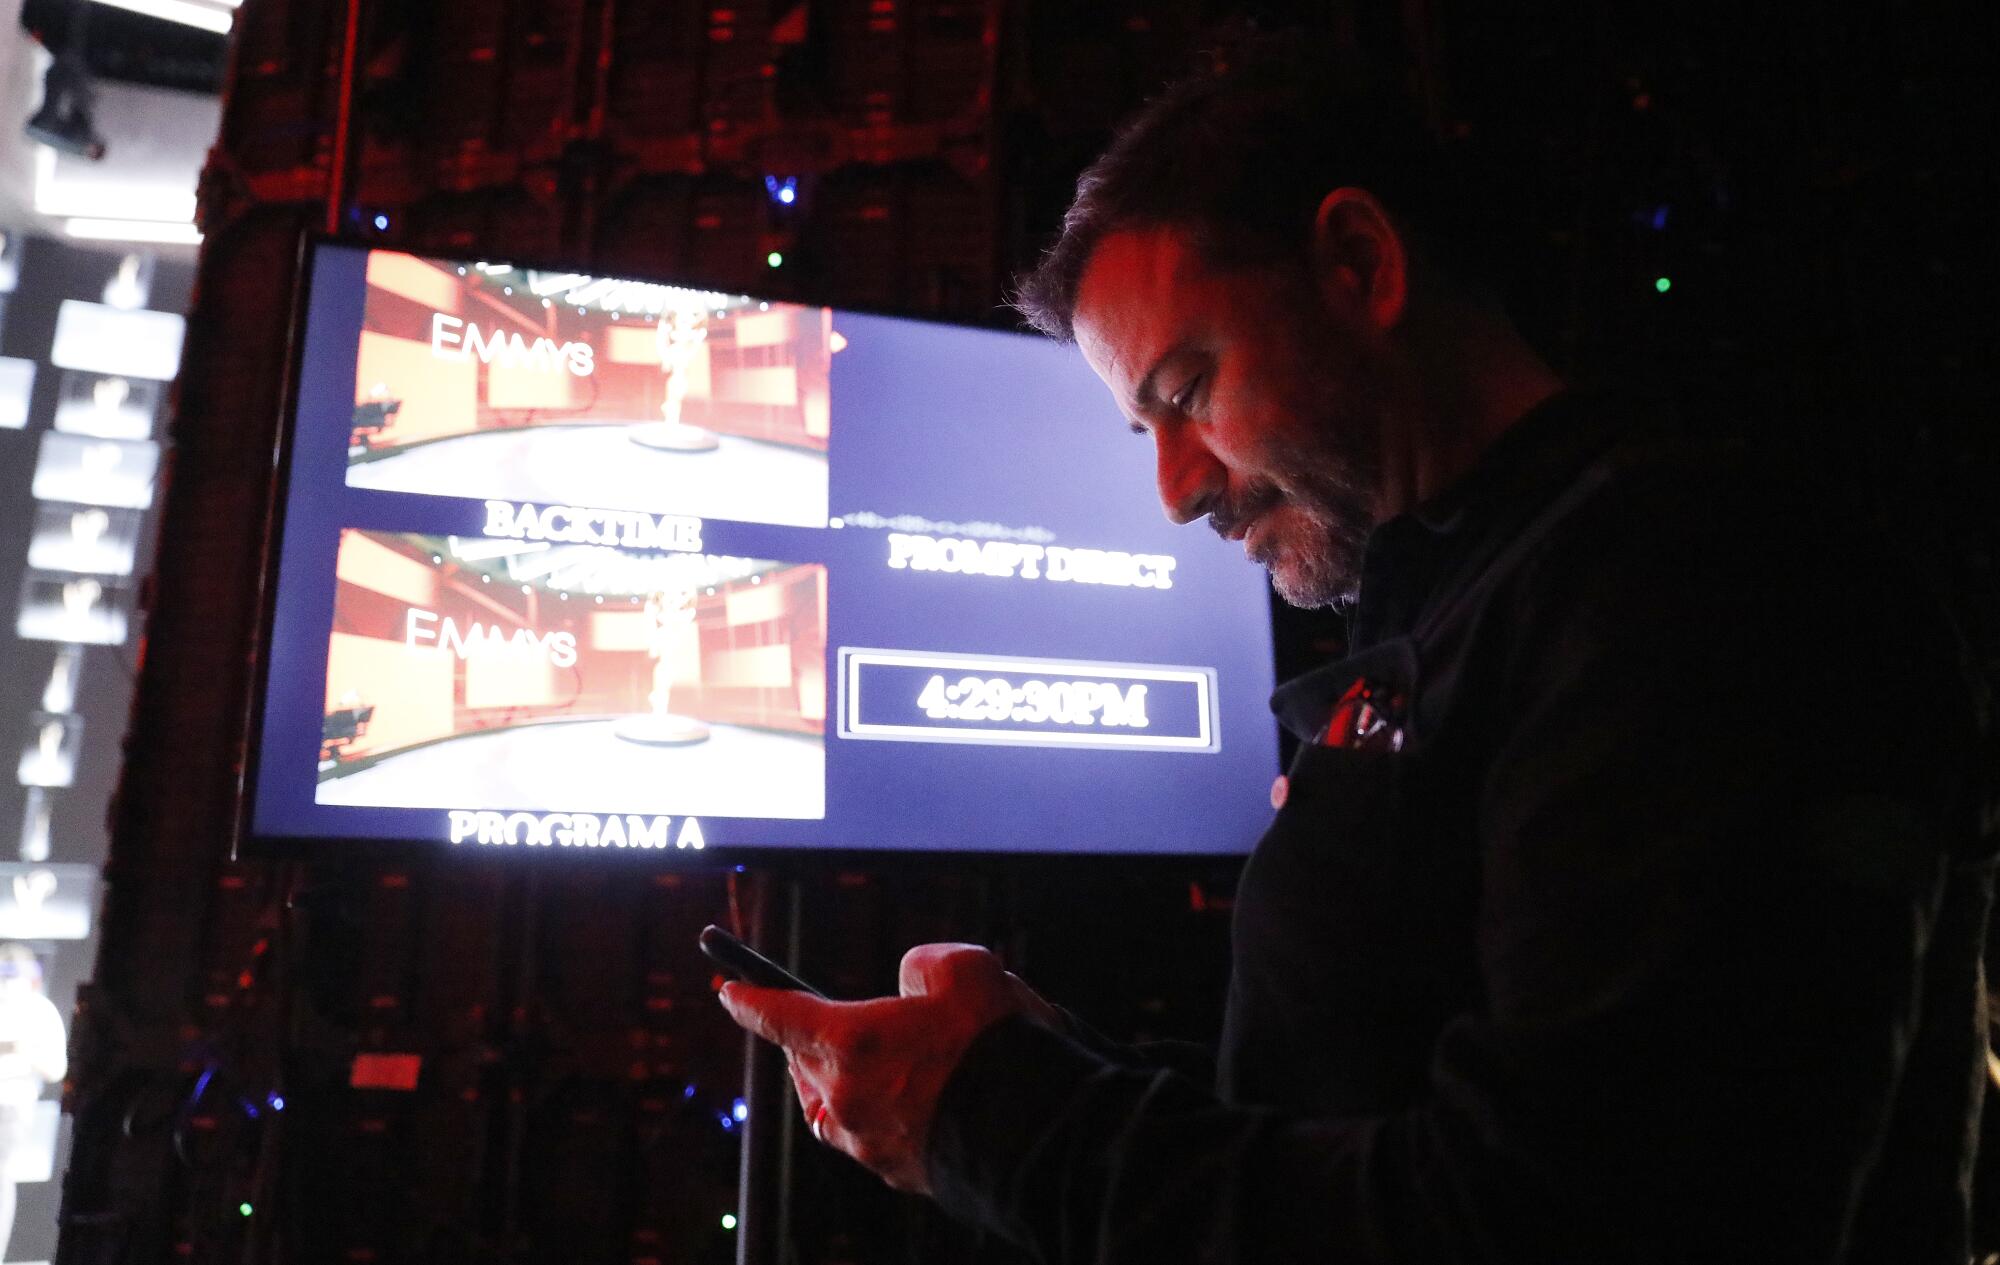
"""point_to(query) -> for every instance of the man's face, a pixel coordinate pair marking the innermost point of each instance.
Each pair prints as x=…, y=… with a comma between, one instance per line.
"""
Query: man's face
x=1265, y=413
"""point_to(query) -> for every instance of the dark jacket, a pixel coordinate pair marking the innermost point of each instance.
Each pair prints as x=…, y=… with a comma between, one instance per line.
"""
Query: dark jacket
x=1631, y=910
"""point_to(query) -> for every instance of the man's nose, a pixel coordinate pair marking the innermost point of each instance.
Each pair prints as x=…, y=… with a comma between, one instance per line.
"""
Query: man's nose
x=1189, y=476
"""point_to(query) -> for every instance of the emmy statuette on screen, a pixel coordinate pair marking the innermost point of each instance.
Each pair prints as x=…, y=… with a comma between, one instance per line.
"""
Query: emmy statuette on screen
x=681, y=330
x=670, y=615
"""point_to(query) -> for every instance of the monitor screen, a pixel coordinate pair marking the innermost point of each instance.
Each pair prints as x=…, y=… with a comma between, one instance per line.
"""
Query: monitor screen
x=585, y=564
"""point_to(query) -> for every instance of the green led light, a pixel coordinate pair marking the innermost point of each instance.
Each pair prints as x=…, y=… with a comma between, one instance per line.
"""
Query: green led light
x=244, y=1208
x=729, y=1221
x=1663, y=285
x=775, y=259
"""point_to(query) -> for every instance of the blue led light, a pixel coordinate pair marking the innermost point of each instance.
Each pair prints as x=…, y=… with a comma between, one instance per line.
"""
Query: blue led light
x=741, y=1110
x=688, y=1092
x=381, y=222
x=277, y=1102
x=784, y=192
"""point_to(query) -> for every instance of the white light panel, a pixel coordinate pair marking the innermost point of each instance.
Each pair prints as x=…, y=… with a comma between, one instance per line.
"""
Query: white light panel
x=35, y=814
x=89, y=471
x=209, y=17
x=46, y=902
x=98, y=338
x=89, y=539
x=48, y=756
x=84, y=610
x=107, y=405
x=17, y=392
x=59, y=689
x=163, y=232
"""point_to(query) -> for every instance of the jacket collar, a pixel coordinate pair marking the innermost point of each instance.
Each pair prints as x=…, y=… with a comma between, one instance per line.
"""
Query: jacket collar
x=1536, y=457
x=1407, y=556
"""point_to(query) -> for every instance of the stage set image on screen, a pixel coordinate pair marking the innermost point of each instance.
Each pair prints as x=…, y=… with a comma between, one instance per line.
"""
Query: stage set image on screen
x=586, y=564
x=543, y=676
x=522, y=384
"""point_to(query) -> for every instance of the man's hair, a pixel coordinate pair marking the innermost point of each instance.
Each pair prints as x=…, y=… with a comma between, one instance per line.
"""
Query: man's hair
x=1241, y=155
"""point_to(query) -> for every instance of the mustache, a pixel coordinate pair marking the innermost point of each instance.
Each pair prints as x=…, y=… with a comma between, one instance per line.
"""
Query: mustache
x=1229, y=516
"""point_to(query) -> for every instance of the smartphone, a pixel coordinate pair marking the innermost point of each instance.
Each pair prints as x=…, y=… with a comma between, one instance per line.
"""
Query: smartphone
x=748, y=965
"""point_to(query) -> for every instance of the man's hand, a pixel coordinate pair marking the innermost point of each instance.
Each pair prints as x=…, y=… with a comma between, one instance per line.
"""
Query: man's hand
x=877, y=1067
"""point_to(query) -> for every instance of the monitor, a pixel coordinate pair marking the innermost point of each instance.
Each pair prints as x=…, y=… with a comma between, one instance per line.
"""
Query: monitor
x=585, y=565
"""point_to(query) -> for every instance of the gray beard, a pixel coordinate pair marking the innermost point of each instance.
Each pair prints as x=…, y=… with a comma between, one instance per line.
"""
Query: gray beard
x=1326, y=570
x=1333, y=493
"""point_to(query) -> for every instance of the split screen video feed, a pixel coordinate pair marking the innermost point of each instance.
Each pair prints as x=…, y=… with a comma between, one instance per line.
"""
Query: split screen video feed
x=530, y=386
x=586, y=563
x=538, y=676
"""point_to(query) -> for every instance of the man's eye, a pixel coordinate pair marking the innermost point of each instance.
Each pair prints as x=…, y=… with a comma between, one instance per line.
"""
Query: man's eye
x=1135, y=428
x=1184, y=399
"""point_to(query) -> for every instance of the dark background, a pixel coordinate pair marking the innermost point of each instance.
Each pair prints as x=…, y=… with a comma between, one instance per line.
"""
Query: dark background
x=1814, y=184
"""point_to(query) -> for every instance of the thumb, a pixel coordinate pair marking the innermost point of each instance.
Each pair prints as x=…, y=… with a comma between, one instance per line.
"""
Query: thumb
x=937, y=968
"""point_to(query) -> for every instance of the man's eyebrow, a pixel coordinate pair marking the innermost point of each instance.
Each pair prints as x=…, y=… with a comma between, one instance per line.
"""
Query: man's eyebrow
x=1149, y=386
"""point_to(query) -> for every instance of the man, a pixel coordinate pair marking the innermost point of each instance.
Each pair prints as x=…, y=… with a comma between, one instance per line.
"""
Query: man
x=1626, y=899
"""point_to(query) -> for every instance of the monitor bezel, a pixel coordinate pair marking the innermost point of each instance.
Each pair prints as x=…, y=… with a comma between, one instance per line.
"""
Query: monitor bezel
x=800, y=860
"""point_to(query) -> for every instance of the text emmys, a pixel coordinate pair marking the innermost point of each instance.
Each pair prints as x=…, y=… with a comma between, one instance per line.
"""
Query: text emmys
x=427, y=630
x=461, y=340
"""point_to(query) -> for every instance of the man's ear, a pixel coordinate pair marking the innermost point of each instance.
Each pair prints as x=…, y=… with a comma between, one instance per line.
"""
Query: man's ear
x=1359, y=261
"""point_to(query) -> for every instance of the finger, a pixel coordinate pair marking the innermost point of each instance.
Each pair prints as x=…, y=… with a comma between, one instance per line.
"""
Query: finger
x=782, y=1016
x=805, y=1090
x=811, y=1029
x=829, y=1132
x=933, y=968
x=811, y=1099
x=808, y=1099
